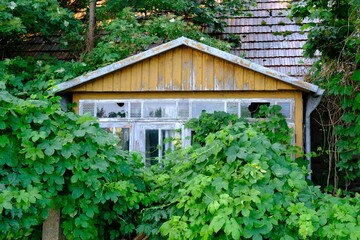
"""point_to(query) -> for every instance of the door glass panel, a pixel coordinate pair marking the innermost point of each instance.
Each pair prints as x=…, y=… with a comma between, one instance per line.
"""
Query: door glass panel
x=158, y=142
x=124, y=136
x=168, y=137
x=151, y=146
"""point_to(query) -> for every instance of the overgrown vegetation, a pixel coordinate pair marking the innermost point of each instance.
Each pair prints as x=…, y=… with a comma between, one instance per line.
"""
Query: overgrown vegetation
x=240, y=181
x=334, y=29
x=243, y=183
x=55, y=159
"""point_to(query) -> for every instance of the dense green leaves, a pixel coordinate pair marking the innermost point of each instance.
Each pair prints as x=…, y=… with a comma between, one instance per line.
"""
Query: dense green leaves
x=240, y=184
x=63, y=161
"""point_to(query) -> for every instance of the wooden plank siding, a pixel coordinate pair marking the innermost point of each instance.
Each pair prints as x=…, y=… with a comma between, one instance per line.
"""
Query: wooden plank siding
x=183, y=69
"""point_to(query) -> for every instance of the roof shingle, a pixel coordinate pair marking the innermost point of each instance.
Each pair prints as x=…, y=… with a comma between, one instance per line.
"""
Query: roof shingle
x=270, y=38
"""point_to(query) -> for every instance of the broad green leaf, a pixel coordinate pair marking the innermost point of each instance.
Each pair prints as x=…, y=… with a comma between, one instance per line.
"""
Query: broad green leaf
x=232, y=228
x=213, y=207
x=4, y=140
x=279, y=171
x=77, y=192
x=356, y=76
x=217, y=223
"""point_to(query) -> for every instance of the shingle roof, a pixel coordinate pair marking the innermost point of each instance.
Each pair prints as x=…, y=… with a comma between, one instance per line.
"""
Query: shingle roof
x=37, y=46
x=266, y=39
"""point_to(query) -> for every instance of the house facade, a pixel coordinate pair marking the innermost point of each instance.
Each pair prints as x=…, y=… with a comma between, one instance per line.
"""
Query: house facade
x=146, y=98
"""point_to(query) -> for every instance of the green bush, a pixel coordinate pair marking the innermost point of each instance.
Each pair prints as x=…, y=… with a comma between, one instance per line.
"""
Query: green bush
x=244, y=183
x=55, y=159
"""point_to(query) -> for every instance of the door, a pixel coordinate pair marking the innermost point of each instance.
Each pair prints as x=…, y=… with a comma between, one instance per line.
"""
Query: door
x=154, y=140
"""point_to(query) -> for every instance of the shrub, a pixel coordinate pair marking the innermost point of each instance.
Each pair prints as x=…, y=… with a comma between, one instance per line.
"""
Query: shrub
x=55, y=159
x=243, y=183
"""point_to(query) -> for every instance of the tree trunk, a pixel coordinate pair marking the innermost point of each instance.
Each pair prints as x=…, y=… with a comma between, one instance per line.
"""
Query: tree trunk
x=90, y=40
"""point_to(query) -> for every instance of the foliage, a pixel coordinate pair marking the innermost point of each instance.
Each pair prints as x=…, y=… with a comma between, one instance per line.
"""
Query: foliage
x=21, y=17
x=126, y=36
x=209, y=13
x=334, y=28
x=241, y=184
x=24, y=77
x=55, y=159
x=18, y=17
x=274, y=126
x=50, y=158
x=209, y=123
x=123, y=27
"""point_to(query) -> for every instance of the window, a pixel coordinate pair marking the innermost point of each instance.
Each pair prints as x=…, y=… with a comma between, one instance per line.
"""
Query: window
x=112, y=109
x=207, y=106
x=150, y=125
x=160, y=109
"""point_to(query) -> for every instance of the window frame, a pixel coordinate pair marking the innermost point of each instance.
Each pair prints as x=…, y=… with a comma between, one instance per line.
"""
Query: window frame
x=192, y=102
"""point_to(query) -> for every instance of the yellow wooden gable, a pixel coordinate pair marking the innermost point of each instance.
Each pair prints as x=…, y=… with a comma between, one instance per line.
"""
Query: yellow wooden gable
x=183, y=69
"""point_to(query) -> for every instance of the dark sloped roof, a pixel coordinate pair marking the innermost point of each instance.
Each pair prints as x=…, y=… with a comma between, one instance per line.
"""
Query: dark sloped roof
x=270, y=38
x=37, y=46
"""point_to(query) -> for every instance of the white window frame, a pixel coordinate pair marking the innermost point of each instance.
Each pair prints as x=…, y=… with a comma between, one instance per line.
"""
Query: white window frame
x=138, y=124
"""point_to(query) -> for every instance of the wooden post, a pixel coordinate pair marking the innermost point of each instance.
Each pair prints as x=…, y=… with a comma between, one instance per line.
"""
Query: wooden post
x=51, y=227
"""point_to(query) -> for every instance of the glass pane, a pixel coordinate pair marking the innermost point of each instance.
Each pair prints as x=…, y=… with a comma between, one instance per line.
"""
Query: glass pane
x=135, y=110
x=183, y=109
x=88, y=108
x=245, y=112
x=124, y=136
x=151, y=146
x=160, y=109
x=108, y=129
x=168, y=136
x=233, y=108
x=112, y=110
x=285, y=109
x=207, y=106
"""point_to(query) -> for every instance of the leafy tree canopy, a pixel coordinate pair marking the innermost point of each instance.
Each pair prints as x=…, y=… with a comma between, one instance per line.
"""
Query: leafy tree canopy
x=21, y=17
x=150, y=21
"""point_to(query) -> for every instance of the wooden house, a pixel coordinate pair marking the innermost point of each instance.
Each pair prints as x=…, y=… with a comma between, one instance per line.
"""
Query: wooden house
x=147, y=98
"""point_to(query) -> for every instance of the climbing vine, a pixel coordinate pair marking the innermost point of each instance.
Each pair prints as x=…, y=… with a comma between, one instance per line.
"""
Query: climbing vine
x=334, y=29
